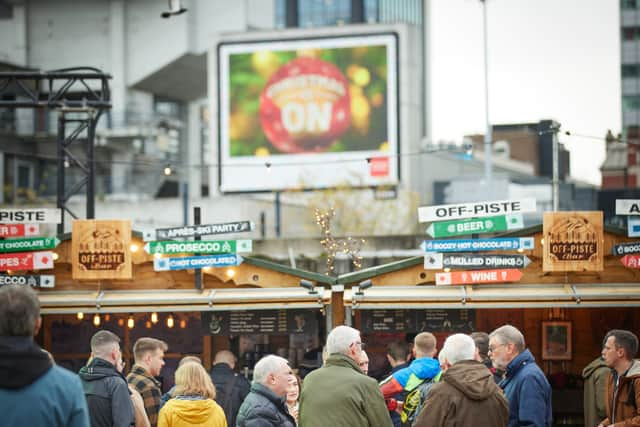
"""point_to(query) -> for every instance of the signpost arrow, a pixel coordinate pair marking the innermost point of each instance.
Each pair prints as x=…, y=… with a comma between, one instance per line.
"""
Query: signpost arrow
x=26, y=261
x=626, y=248
x=475, y=210
x=627, y=207
x=463, y=227
x=199, y=230
x=185, y=263
x=13, y=216
x=438, y=261
x=28, y=244
x=198, y=246
x=483, y=276
x=471, y=245
x=42, y=281
x=18, y=230
x=631, y=261
x=633, y=226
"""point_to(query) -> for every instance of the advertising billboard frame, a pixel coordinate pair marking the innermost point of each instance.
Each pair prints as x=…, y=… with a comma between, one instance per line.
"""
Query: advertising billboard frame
x=393, y=113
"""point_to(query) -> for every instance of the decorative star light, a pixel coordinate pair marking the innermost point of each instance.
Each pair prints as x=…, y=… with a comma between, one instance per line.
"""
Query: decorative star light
x=333, y=246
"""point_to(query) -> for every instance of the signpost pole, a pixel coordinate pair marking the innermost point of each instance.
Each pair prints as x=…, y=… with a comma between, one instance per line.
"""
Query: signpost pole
x=198, y=272
x=277, y=214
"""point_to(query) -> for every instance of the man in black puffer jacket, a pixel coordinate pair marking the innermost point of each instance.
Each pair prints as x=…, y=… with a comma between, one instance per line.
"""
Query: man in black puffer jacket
x=265, y=405
x=104, y=387
x=231, y=388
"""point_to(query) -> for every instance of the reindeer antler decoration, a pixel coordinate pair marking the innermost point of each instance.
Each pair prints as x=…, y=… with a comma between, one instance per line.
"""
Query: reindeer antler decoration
x=333, y=246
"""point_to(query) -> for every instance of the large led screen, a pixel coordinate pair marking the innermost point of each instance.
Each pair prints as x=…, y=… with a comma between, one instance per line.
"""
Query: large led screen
x=310, y=113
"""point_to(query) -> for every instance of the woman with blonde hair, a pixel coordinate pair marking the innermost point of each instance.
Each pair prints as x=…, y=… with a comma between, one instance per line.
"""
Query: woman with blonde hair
x=192, y=403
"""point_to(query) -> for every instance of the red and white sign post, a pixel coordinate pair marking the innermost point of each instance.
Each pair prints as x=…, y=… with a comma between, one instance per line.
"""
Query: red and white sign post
x=478, y=276
x=41, y=260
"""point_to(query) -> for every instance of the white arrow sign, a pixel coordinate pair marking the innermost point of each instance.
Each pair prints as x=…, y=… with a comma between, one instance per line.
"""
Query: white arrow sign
x=13, y=216
x=475, y=210
x=627, y=207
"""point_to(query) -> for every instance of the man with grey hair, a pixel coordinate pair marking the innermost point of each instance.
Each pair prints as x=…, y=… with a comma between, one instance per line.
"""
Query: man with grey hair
x=524, y=383
x=105, y=388
x=33, y=390
x=338, y=394
x=466, y=394
x=265, y=405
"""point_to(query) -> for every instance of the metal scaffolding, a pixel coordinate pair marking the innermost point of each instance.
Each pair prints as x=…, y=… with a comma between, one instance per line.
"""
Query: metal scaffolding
x=80, y=95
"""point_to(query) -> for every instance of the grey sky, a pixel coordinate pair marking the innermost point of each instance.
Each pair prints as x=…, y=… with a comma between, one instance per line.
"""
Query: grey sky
x=557, y=59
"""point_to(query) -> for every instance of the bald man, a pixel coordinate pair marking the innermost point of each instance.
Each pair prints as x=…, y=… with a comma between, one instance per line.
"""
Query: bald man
x=231, y=388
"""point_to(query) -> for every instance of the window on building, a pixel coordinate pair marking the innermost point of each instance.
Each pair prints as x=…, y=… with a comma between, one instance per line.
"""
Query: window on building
x=629, y=33
x=631, y=102
x=317, y=13
x=630, y=71
x=628, y=4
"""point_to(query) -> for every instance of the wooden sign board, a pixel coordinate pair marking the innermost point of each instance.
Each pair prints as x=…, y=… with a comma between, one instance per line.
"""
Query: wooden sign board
x=573, y=241
x=100, y=249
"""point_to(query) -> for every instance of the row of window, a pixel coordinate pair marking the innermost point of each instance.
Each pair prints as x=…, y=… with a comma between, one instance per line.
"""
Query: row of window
x=628, y=4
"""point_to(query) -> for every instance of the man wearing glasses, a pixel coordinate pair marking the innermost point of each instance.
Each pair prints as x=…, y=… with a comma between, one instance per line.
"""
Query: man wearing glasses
x=338, y=394
x=524, y=384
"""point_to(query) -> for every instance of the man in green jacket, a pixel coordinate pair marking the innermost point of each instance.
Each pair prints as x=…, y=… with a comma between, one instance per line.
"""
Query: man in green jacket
x=595, y=376
x=339, y=394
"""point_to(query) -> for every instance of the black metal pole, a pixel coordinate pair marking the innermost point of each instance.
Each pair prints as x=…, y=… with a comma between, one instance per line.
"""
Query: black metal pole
x=278, y=214
x=91, y=165
x=61, y=171
x=198, y=271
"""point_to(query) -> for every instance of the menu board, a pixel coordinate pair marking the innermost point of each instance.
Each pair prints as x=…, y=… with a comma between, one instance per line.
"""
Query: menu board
x=271, y=322
x=432, y=320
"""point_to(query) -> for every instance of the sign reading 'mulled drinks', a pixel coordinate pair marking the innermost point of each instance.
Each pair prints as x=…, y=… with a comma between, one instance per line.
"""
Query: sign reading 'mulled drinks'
x=573, y=241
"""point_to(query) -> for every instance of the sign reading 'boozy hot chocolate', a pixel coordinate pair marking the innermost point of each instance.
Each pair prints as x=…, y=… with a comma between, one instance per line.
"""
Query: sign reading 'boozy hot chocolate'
x=573, y=241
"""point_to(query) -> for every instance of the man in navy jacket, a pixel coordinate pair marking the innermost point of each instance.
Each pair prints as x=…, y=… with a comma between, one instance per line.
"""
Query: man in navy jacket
x=524, y=383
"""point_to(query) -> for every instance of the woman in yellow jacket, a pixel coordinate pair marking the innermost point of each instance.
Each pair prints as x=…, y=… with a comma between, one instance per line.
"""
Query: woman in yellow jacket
x=192, y=403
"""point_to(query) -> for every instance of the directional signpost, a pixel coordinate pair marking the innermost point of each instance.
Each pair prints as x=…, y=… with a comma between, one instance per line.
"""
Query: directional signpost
x=471, y=245
x=42, y=281
x=627, y=207
x=626, y=248
x=438, y=261
x=185, y=263
x=463, y=227
x=199, y=246
x=633, y=226
x=26, y=261
x=13, y=216
x=28, y=244
x=199, y=230
x=631, y=261
x=19, y=230
x=475, y=210
x=481, y=276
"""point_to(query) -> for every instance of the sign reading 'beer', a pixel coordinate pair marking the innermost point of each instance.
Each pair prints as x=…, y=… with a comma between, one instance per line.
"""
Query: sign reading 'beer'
x=100, y=249
x=573, y=241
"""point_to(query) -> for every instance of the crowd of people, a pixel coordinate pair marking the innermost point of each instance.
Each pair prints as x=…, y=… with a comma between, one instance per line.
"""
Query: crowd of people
x=478, y=379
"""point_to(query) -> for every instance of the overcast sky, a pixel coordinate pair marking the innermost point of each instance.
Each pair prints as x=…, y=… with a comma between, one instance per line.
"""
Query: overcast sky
x=548, y=59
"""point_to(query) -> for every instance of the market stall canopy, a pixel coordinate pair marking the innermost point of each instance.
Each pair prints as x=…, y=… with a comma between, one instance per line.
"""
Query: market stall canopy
x=162, y=300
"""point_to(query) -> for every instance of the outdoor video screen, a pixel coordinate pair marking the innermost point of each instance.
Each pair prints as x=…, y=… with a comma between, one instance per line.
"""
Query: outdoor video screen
x=311, y=113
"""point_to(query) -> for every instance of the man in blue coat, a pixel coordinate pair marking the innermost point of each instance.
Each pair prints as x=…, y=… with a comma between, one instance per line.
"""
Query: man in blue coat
x=33, y=391
x=524, y=383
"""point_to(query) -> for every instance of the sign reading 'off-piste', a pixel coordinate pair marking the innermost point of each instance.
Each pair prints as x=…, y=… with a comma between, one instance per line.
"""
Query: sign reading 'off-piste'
x=475, y=210
x=464, y=227
x=185, y=263
x=198, y=246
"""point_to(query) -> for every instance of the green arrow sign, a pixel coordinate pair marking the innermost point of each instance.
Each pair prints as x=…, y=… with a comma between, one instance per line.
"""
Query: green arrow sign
x=463, y=227
x=28, y=244
x=199, y=246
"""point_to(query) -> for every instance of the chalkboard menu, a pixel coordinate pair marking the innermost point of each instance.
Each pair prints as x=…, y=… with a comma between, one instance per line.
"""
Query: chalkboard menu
x=432, y=320
x=271, y=322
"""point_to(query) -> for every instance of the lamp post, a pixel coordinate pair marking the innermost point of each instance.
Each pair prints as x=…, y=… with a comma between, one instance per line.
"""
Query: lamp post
x=488, y=149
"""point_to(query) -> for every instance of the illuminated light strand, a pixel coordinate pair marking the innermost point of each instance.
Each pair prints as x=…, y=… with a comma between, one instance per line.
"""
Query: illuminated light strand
x=349, y=246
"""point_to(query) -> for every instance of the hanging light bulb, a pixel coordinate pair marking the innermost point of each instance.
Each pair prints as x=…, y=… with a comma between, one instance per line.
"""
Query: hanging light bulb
x=154, y=317
x=147, y=324
x=134, y=248
x=80, y=315
x=170, y=321
x=96, y=320
x=167, y=170
x=231, y=272
x=130, y=322
x=121, y=322
x=183, y=323
x=107, y=317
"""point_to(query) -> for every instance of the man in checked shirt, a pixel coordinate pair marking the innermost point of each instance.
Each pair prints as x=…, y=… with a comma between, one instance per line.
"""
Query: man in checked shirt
x=149, y=360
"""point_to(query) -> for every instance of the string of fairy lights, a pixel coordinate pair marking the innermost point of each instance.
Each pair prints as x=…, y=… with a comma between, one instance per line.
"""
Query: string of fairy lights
x=171, y=320
x=349, y=246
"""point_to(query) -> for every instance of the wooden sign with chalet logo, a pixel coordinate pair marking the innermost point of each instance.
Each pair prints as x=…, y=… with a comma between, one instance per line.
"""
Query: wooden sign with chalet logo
x=100, y=249
x=573, y=241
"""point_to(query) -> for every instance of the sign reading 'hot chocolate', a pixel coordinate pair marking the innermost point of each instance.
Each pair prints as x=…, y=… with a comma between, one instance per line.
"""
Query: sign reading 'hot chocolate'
x=573, y=241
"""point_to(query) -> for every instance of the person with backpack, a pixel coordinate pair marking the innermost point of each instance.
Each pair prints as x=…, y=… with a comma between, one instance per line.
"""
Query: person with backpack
x=413, y=381
x=466, y=394
x=231, y=387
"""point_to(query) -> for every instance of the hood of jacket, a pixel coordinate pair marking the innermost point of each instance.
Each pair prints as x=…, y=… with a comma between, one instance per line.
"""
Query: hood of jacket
x=22, y=362
x=472, y=379
x=633, y=371
x=99, y=369
x=592, y=367
x=419, y=370
x=193, y=412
